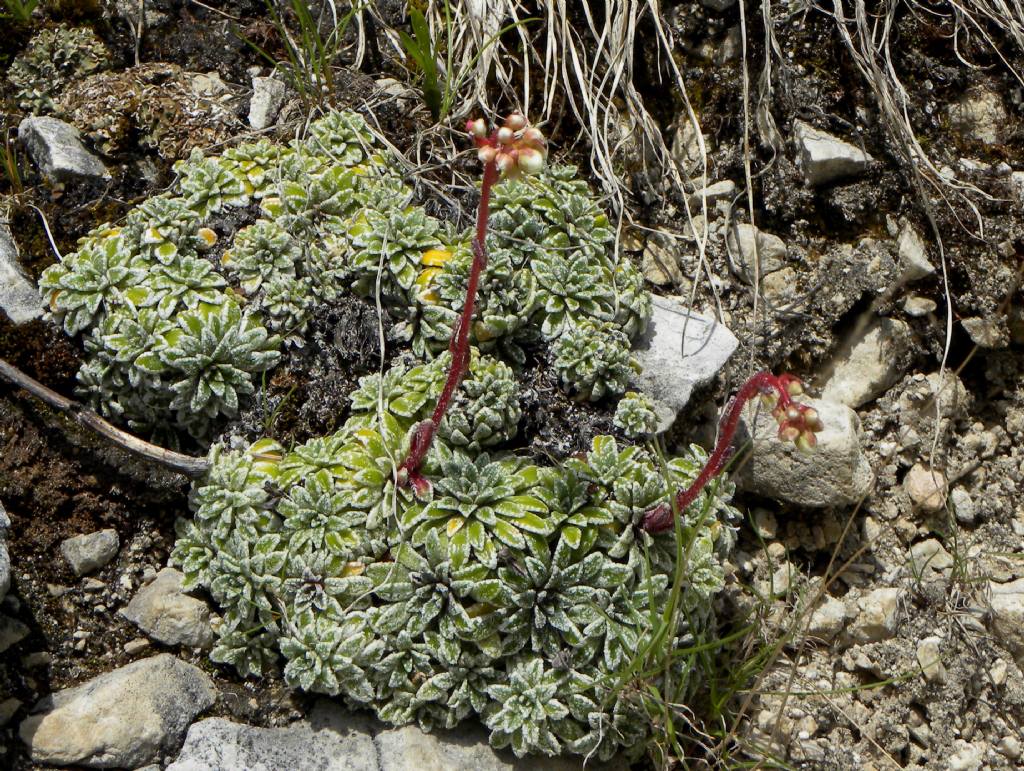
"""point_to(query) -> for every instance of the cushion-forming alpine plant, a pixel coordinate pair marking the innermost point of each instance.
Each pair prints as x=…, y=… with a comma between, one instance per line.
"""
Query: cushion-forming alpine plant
x=410, y=562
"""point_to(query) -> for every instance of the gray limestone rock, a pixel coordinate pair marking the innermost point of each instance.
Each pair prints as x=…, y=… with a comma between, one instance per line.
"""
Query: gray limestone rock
x=986, y=332
x=91, y=551
x=5, y=557
x=825, y=158
x=268, y=95
x=717, y=191
x=1007, y=603
x=121, y=719
x=877, y=617
x=871, y=363
x=19, y=298
x=913, y=255
x=836, y=473
x=680, y=351
x=332, y=739
x=168, y=615
x=57, y=149
x=770, y=251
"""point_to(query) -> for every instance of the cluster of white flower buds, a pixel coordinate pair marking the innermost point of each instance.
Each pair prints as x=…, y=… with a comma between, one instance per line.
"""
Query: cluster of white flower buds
x=515, y=148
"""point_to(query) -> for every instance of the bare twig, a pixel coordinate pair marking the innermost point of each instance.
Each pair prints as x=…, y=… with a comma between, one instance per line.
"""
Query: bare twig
x=184, y=464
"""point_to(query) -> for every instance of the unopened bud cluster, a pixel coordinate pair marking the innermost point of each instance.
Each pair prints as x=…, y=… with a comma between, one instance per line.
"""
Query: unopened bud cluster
x=515, y=148
x=798, y=423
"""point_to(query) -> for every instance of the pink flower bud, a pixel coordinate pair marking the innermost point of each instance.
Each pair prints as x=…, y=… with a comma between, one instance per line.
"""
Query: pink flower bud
x=505, y=135
x=533, y=138
x=505, y=162
x=788, y=433
x=477, y=128
x=530, y=160
x=487, y=154
x=516, y=121
x=794, y=387
x=792, y=413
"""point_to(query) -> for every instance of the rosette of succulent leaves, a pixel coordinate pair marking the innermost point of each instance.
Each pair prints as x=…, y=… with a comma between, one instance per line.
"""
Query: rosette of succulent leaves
x=183, y=305
x=515, y=592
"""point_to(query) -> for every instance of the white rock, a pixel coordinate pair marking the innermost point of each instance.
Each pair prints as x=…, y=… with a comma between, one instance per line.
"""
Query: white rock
x=1007, y=603
x=965, y=757
x=12, y=632
x=5, y=569
x=91, y=551
x=926, y=488
x=5, y=558
x=673, y=366
x=929, y=658
x=137, y=645
x=1009, y=747
x=877, y=617
x=466, y=747
x=19, y=298
x=871, y=364
x=963, y=506
x=913, y=255
x=918, y=306
x=166, y=614
x=121, y=719
x=827, y=620
x=998, y=672
x=57, y=149
x=824, y=158
x=268, y=95
x=835, y=473
x=979, y=115
x=770, y=250
x=725, y=188
x=986, y=333
x=1017, y=182
x=929, y=555
x=332, y=739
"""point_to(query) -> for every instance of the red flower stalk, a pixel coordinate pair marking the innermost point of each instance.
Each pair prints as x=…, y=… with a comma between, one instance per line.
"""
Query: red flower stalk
x=798, y=423
x=509, y=151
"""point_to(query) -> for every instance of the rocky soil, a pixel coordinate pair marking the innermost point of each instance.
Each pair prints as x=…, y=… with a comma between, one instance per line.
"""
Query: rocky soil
x=883, y=572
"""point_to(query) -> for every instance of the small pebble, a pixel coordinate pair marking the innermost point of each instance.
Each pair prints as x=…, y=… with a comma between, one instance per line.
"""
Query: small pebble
x=918, y=306
x=926, y=488
x=134, y=646
x=963, y=506
x=1009, y=746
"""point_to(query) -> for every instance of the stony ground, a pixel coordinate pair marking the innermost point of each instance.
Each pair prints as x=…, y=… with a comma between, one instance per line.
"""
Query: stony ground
x=884, y=571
